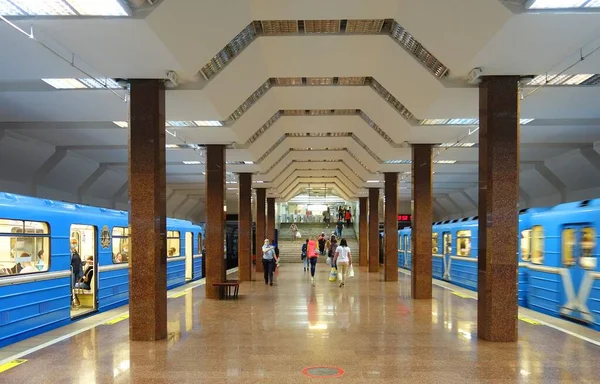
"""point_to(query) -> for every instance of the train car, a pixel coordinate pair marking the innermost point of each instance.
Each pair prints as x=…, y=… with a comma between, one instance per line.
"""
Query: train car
x=404, y=254
x=563, y=276
x=37, y=239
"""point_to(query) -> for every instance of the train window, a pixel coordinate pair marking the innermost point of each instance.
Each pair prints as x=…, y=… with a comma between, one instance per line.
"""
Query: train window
x=434, y=243
x=587, y=258
x=24, y=247
x=537, y=244
x=447, y=243
x=173, y=243
x=120, y=244
x=200, y=243
x=526, y=244
x=400, y=243
x=407, y=241
x=463, y=242
x=568, y=246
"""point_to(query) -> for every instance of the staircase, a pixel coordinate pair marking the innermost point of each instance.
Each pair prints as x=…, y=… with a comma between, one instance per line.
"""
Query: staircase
x=289, y=251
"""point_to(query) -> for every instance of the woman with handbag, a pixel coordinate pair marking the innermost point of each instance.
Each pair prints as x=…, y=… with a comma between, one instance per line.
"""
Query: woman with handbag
x=343, y=260
x=313, y=257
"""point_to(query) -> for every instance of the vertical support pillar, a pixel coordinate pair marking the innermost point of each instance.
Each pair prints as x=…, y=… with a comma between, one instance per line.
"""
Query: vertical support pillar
x=147, y=212
x=363, y=231
x=261, y=194
x=422, y=217
x=497, y=307
x=373, y=230
x=215, y=218
x=245, y=227
x=270, y=218
x=390, y=254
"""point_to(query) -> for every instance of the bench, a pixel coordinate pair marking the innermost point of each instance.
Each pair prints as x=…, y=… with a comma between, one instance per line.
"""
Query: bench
x=225, y=289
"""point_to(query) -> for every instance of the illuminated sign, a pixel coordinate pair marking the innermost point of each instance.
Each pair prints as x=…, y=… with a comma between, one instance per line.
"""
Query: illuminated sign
x=404, y=217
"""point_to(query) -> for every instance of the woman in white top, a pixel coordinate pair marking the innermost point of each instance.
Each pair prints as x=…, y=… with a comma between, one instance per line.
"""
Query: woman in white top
x=343, y=260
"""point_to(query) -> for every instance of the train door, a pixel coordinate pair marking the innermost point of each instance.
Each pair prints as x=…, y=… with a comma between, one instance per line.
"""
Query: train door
x=405, y=245
x=85, y=280
x=447, y=253
x=189, y=256
x=578, y=263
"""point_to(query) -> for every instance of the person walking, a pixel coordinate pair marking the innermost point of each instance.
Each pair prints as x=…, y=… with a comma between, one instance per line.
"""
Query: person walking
x=339, y=228
x=343, y=260
x=303, y=255
x=322, y=241
x=327, y=217
x=294, y=231
x=268, y=261
x=348, y=217
x=331, y=250
x=313, y=257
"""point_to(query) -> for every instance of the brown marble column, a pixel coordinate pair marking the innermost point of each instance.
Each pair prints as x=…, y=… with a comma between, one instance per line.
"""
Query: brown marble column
x=497, y=307
x=261, y=194
x=147, y=212
x=390, y=253
x=215, y=218
x=363, y=232
x=422, y=217
x=373, y=230
x=270, y=218
x=245, y=227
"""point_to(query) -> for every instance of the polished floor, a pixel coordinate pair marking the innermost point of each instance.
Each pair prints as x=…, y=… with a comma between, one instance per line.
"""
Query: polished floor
x=371, y=330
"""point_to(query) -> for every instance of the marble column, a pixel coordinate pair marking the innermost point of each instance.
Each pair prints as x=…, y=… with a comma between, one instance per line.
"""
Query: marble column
x=147, y=212
x=373, y=230
x=422, y=217
x=363, y=232
x=497, y=307
x=390, y=254
x=270, y=219
x=261, y=194
x=215, y=218
x=245, y=227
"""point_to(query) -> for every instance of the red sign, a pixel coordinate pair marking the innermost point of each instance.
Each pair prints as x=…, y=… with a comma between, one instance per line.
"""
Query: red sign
x=404, y=217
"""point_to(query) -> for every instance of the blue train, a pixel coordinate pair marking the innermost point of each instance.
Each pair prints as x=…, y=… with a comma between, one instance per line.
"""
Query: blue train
x=558, y=271
x=37, y=240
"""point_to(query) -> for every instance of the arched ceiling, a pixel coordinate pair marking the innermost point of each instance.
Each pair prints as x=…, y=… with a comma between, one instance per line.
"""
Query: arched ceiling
x=321, y=93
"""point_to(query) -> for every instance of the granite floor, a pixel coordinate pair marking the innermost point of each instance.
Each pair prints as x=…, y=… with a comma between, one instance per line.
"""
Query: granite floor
x=371, y=330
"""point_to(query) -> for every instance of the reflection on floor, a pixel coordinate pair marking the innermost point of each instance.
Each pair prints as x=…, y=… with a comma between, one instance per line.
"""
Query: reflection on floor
x=372, y=330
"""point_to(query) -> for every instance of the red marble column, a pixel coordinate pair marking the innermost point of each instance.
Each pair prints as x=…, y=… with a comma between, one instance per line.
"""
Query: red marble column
x=270, y=218
x=422, y=217
x=363, y=232
x=215, y=218
x=261, y=194
x=497, y=307
x=147, y=212
x=245, y=227
x=390, y=254
x=373, y=230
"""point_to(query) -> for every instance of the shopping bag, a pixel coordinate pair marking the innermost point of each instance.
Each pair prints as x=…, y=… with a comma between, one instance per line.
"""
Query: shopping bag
x=298, y=235
x=351, y=272
x=328, y=261
x=333, y=275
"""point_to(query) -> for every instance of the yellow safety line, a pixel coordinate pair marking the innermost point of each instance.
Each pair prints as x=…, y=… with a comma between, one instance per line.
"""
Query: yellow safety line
x=11, y=364
x=460, y=295
x=528, y=320
x=117, y=319
x=179, y=294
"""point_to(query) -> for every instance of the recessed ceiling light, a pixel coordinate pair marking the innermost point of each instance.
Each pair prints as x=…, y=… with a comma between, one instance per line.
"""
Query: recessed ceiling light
x=44, y=7
x=558, y=4
x=373, y=181
x=122, y=124
x=8, y=9
x=98, y=7
x=192, y=162
x=64, y=83
x=248, y=162
x=208, y=123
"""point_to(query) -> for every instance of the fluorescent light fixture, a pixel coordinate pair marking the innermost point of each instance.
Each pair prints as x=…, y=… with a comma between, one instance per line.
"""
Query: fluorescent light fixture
x=374, y=181
x=208, y=123
x=457, y=145
x=8, y=9
x=398, y=162
x=171, y=146
x=192, y=162
x=462, y=121
x=103, y=82
x=259, y=182
x=231, y=182
x=98, y=7
x=64, y=83
x=179, y=123
x=444, y=161
x=122, y=124
x=232, y=189
x=563, y=79
x=44, y=7
x=558, y=4
x=248, y=162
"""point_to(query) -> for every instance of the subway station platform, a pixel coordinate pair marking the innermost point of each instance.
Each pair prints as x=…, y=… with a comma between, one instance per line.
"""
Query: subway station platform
x=366, y=332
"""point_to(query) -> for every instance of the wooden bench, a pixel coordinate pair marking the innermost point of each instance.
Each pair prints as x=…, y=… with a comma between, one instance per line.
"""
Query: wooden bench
x=225, y=289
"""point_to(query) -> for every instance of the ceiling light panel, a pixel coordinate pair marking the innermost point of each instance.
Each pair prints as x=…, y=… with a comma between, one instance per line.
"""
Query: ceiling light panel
x=100, y=83
x=122, y=124
x=208, y=123
x=264, y=128
x=352, y=80
x=179, y=123
x=322, y=26
x=98, y=7
x=44, y=7
x=444, y=161
x=395, y=103
x=225, y=55
x=8, y=9
x=319, y=80
x=364, y=26
x=251, y=100
x=287, y=81
x=579, y=79
x=398, y=162
x=375, y=127
x=558, y=4
x=65, y=83
x=279, y=27
x=416, y=49
x=193, y=162
x=457, y=145
x=366, y=148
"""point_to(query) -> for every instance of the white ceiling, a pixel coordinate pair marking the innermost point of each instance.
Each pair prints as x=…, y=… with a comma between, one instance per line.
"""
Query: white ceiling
x=183, y=35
